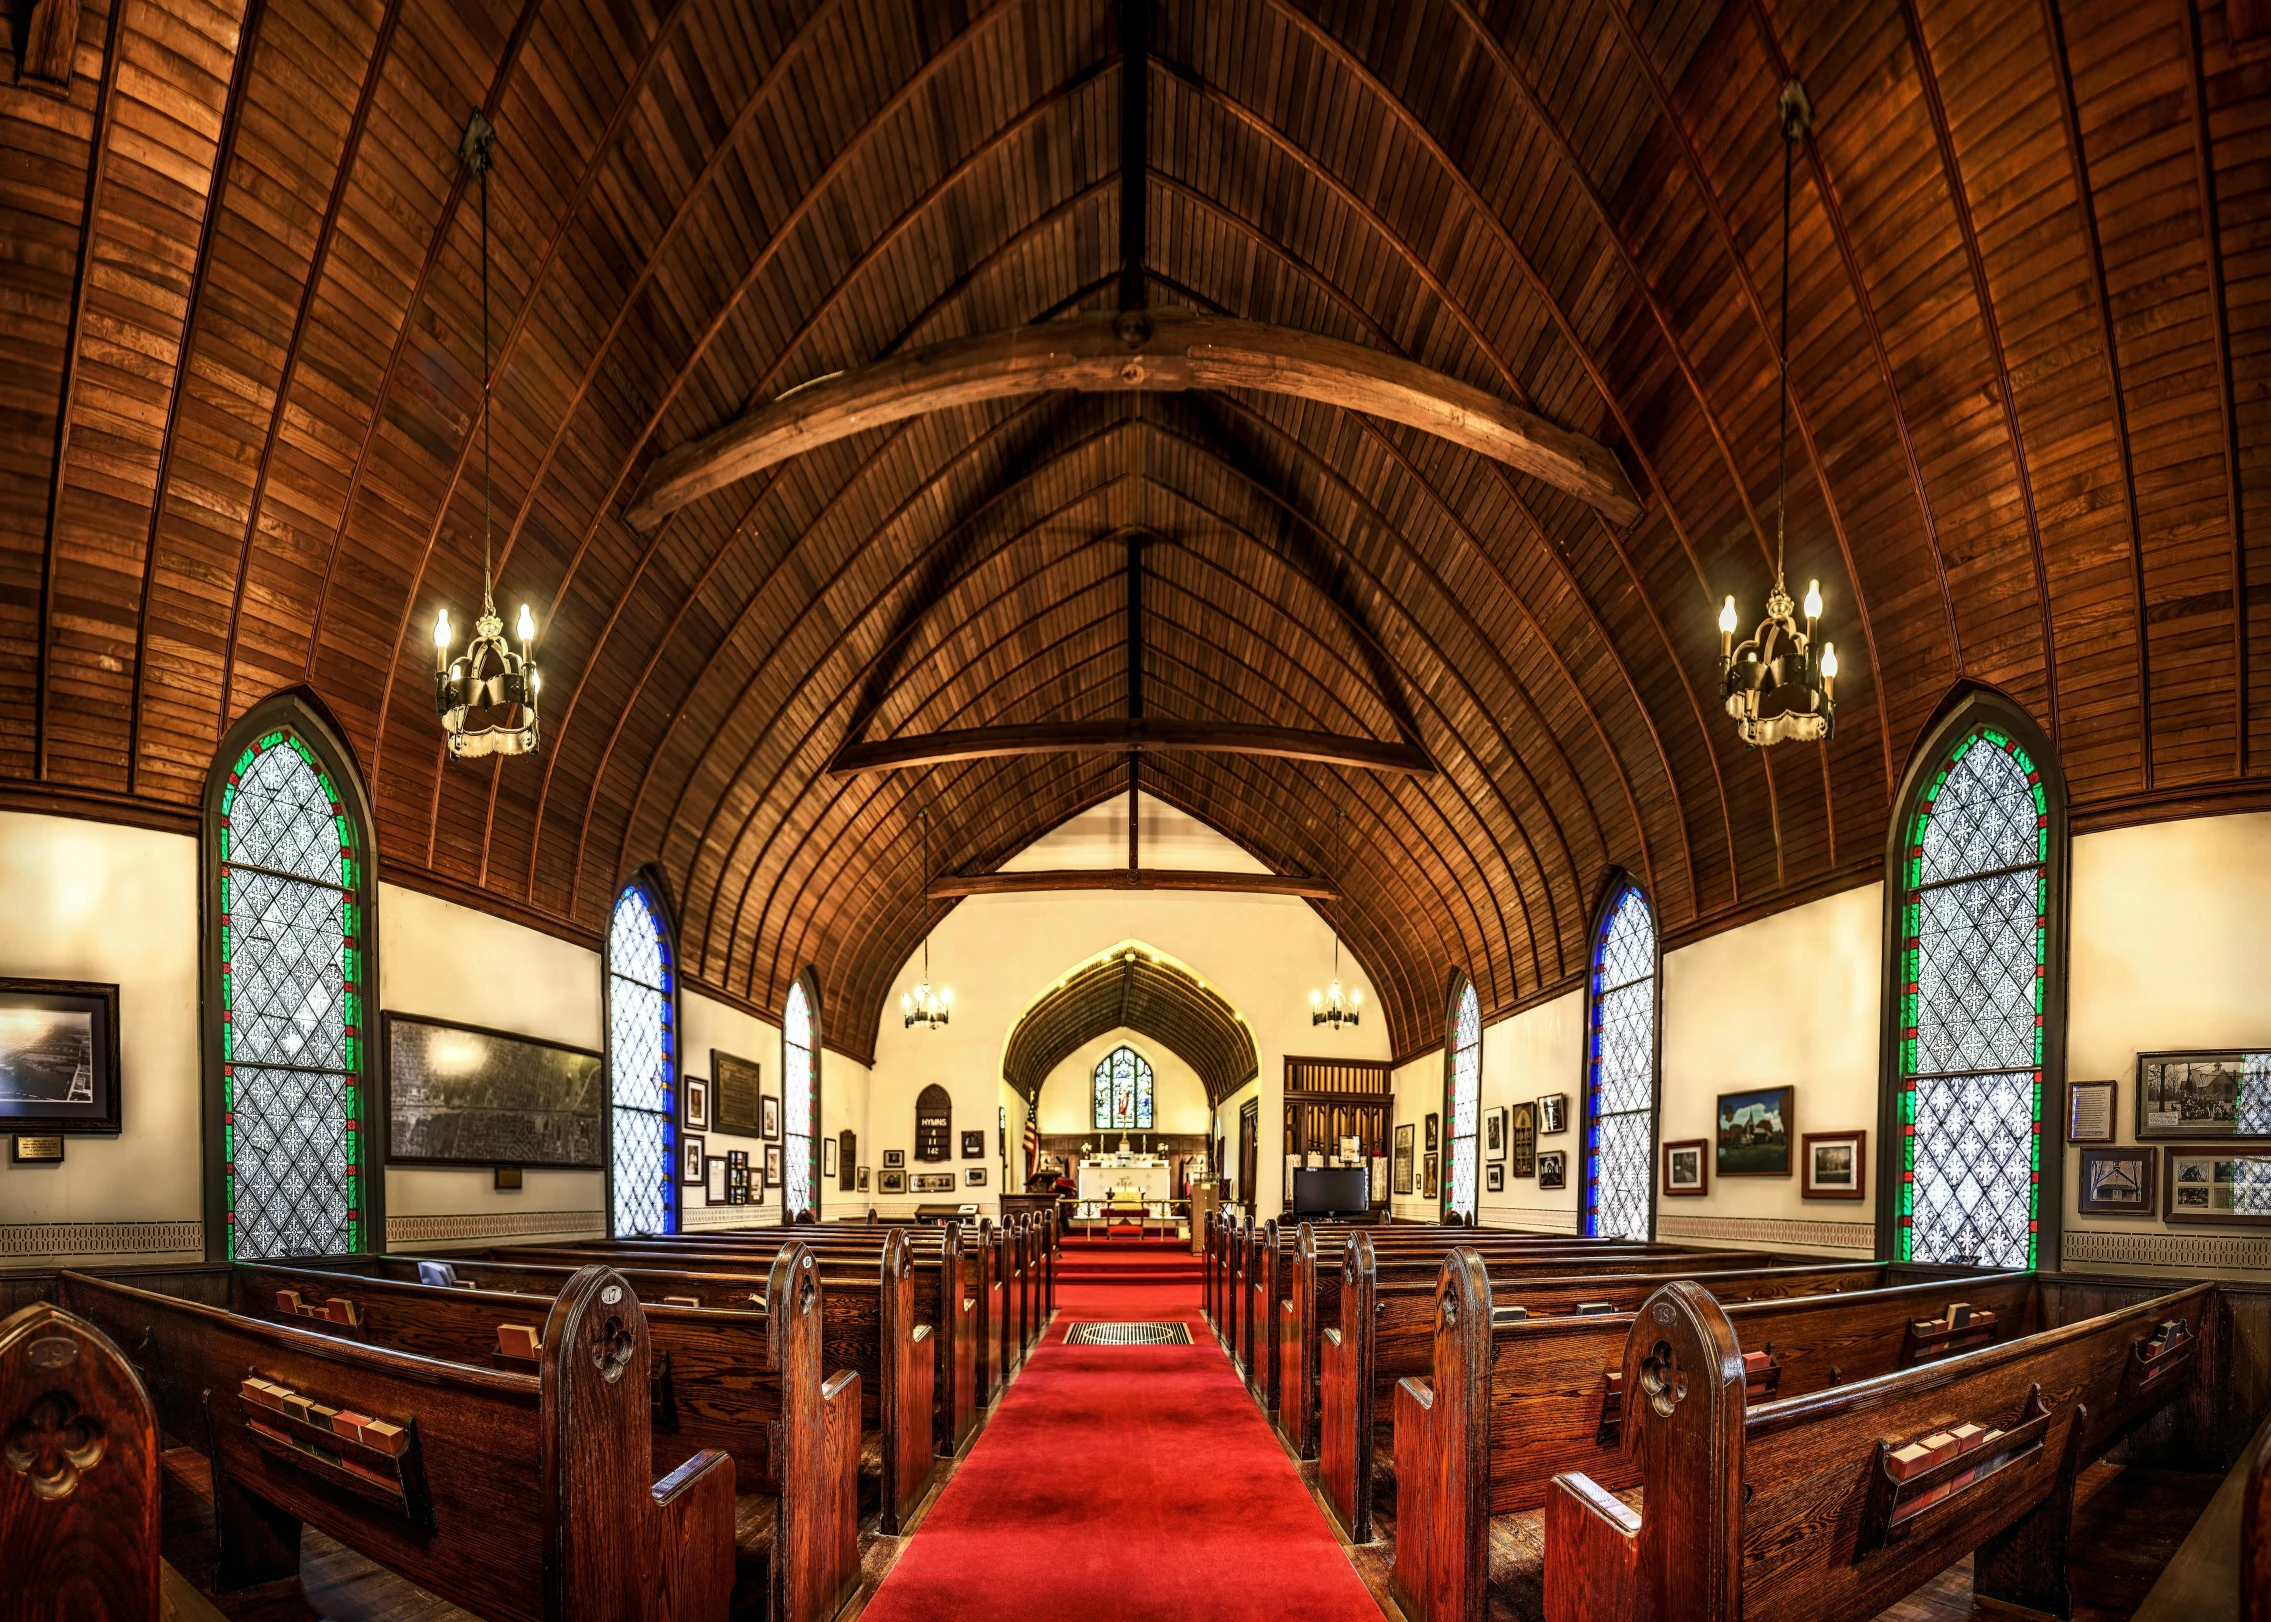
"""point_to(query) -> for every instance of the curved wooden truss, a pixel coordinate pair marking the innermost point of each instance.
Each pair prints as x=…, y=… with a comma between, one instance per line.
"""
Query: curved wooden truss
x=1134, y=991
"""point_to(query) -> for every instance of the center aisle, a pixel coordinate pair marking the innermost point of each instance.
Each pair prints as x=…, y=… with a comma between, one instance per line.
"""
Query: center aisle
x=1125, y=1482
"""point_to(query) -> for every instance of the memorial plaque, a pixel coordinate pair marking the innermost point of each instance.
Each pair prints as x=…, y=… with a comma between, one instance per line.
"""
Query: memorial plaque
x=734, y=1092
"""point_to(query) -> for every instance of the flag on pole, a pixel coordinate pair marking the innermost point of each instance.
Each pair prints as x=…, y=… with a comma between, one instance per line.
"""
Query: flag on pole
x=1032, y=1142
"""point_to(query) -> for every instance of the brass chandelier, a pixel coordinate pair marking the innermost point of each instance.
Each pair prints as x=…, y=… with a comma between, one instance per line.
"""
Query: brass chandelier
x=1333, y=1007
x=1772, y=683
x=926, y=1005
x=487, y=695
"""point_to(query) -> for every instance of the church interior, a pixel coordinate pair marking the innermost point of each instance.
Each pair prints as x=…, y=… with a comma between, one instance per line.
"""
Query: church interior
x=926, y=810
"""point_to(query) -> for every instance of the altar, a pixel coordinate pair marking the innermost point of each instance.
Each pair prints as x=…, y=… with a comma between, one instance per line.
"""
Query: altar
x=1152, y=1176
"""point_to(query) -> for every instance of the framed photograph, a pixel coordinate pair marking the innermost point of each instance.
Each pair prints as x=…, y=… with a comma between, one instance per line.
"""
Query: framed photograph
x=975, y=1176
x=2215, y=1185
x=58, y=1056
x=773, y=1177
x=2217, y=1094
x=1553, y=1169
x=827, y=1157
x=934, y=1182
x=696, y=1165
x=1523, y=1133
x=697, y=1095
x=894, y=1159
x=769, y=1118
x=1433, y=1188
x=1432, y=1145
x=1837, y=1165
x=974, y=1145
x=1553, y=1114
x=2120, y=1181
x=460, y=1095
x=1404, y=1135
x=892, y=1182
x=1754, y=1132
x=734, y=1085
x=2089, y=1111
x=1494, y=1178
x=1494, y=1134
x=863, y=1180
x=1687, y=1166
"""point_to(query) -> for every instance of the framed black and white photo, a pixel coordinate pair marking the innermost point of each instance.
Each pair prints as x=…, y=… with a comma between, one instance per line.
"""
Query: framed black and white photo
x=769, y=1117
x=58, y=1056
x=1522, y=1139
x=827, y=1157
x=697, y=1093
x=773, y=1178
x=892, y=1182
x=974, y=1145
x=863, y=1180
x=1494, y=1179
x=461, y=1095
x=1404, y=1135
x=2090, y=1111
x=1553, y=1169
x=1687, y=1166
x=1433, y=1188
x=2120, y=1182
x=1494, y=1133
x=975, y=1176
x=1432, y=1145
x=1835, y=1165
x=894, y=1159
x=2219, y=1093
x=2216, y=1185
x=696, y=1162
x=734, y=1086
x=1553, y=1114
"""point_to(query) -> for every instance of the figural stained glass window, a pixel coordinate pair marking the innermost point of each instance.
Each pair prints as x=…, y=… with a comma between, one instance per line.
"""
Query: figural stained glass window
x=641, y=1068
x=1464, y=1106
x=1123, y=1091
x=796, y=1104
x=1620, y=1081
x=292, y=986
x=1974, y=937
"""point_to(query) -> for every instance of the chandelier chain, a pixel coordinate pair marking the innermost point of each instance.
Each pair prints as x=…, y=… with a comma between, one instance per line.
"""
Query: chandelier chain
x=1782, y=362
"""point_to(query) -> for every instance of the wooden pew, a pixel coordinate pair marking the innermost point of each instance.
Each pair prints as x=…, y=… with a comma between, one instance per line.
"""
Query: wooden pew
x=1512, y=1405
x=2255, y=1537
x=514, y=1495
x=79, y=1493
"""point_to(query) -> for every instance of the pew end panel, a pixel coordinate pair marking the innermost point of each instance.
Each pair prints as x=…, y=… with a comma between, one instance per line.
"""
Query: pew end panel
x=1346, y=1397
x=1442, y=1559
x=815, y=1556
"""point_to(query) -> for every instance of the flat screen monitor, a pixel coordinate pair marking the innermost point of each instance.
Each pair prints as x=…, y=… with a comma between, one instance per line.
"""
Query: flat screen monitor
x=1324, y=1190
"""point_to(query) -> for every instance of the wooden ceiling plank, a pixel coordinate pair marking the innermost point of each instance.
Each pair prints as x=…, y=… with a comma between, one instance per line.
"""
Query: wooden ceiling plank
x=1145, y=735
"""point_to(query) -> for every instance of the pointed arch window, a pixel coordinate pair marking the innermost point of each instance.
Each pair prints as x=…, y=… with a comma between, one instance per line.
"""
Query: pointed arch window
x=1462, y=1100
x=1123, y=1091
x=1977, y=877
x=800, y=1101
x=641, y=1067
x=1620, y=1072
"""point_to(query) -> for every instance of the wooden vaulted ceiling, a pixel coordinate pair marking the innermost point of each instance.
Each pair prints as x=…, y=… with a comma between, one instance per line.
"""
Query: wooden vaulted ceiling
x=1139, y=992
x=2029, y=312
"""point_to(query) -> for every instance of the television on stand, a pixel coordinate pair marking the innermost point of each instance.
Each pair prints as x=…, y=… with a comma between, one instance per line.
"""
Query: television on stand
x=1331, y=1191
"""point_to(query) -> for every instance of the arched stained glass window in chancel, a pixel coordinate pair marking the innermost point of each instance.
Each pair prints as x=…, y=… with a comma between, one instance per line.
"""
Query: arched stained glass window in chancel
x=1463, y=1106
x=291, y=989
x=1123, y=1091
x=796, y=1104
x=1620, y=1084
x=641, y=1065
x=1974, y=938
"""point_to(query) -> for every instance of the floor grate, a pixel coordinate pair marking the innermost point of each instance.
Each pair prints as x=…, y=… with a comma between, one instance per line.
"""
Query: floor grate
x=1129, y=1334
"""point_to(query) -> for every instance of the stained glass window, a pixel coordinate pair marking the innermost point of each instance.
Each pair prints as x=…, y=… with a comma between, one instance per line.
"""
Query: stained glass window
x=1975, y=926
x=641, y=1068
x=1464, y=1106
x=291, y=1007
x=797, y=1104
x=1123, y=1091
x=1620, y=1081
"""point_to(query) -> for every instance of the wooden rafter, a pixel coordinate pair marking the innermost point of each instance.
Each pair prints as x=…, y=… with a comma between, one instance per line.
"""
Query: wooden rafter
x=1156, y=351
x=1118, y=735
x=1129, y=878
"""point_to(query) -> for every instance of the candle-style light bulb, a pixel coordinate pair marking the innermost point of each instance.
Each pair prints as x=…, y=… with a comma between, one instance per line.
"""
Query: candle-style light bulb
x=441, y=640
x=1727, y=620
x=1829, y=661
x=527, y=626
x=1316, y=998
x=1356, y=999
x=1813, y=600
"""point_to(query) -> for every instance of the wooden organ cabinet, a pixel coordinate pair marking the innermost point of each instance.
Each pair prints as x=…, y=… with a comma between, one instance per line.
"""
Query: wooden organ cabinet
x=1327, y=1100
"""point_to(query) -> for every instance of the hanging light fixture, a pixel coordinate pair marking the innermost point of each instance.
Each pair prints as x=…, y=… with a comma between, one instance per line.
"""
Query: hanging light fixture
x=1772, y=683
x=487, y=695
x=1333, y=1007
x=927, y=1005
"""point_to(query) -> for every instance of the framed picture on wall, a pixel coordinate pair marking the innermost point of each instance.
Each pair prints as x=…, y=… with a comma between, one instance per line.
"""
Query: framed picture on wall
x=2119, y=1181
x=1754, y=1132
x=1432, y=1145
x=1836, y=1165
x=1494, y=1133
x=58, y=1056
x=1687, y=1166
x=892, y=1182
x=1494, y=1179
x=975, y=1176
x=894, y=1159
x=773, y=1178
x=1433, y=1188
x=769, y=1117
x=2090, y=1111
x=734, y=1085
x=1404, y=1135
x=2217, y=1185
x=2218, y=1093
x=1553, y=1169
x=462, y=1095
x=974, y=1145
x=863, y=1180
x=1522, y=1136
x=1553, y=1114
x=697, y=1093
x=696, y=1168
x=827, y=1157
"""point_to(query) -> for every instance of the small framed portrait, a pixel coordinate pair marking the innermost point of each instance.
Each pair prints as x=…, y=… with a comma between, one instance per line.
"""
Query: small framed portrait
x=2089, y=1111
x=894, y=1159
x=1687, y=1166
x=769, y=1117
x=975, y=1176
x=1553, y=1169
x=1403, y=1172
x=2213, y=1094
x=1754, y=1132
x=58, y=1056
x=863, y=1180
x=892, y=1182
x=2216, y=1185
x=827, y=1157
x=1553, y=1114
x=1433, y=1187
x=1494, y=1178
x=773, y=1178
x=1494, y=1134
x=694, y=1163
x=1522, y=1139
x=974, y=1144
x=2119, y=1181
x=1432, y=1145
x=1836, y=1165
x=697, y=1093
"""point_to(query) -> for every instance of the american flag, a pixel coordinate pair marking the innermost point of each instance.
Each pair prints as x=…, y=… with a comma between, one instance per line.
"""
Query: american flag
x=1032, y=1143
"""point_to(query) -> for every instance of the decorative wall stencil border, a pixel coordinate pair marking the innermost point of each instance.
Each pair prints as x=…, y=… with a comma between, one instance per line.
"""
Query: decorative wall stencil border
x=102, y=1238
x=2167, y=1249
x=703, y=1218
x=1543, y=1218
x=1771, y=1231
x=492, y=1225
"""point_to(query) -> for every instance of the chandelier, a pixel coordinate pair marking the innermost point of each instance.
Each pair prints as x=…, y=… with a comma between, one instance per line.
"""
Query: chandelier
x=1773, y=684
x=927, y=1005
x=486, y=696
x=1333, y=1007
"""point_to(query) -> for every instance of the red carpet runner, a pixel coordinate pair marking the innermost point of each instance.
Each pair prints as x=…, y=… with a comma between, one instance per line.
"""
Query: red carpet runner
x=1124, y=1482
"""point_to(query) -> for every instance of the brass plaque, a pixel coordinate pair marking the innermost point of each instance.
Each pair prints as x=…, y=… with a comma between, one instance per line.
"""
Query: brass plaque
x=28, y=1149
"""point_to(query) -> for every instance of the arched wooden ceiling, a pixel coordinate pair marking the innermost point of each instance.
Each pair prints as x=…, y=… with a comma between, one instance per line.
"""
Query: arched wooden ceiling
x=1138, y=992
x=2029, y=361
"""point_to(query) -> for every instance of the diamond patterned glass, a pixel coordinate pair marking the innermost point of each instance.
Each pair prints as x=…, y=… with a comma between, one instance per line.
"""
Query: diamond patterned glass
x=1975, y=926
x=291, y=1007
x=639, y=1068
x=1123, y=1091
x=1621, y=1084
x=1466, y=1103
x=796, y=1103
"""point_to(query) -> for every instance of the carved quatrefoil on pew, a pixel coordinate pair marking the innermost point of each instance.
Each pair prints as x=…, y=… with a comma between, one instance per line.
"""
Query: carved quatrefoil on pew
x=1666, y=1385
x=612, y=1350
x=53, y=1445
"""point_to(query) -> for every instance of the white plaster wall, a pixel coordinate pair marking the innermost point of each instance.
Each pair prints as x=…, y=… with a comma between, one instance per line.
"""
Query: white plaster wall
x=1178, y=1096
x=1536, y=1052
x=712, y=1026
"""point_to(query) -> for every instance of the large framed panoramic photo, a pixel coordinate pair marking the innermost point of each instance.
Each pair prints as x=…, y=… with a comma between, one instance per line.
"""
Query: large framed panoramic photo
x=459, y=1095
x=58, y=1056
x=2223, y=1094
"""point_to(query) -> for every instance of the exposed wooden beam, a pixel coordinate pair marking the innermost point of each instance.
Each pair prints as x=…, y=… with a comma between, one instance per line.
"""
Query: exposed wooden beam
x=1127, y=878
x=1120, y=735
x=1158, y=350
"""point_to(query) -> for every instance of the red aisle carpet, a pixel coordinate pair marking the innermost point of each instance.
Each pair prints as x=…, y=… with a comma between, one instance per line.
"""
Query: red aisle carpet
x=1124, y=1482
